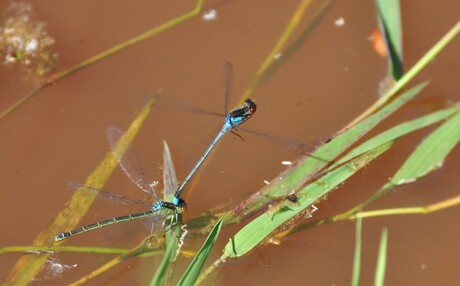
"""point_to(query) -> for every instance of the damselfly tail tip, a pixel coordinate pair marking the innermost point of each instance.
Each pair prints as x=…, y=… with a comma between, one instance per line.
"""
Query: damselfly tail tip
x=60, y=237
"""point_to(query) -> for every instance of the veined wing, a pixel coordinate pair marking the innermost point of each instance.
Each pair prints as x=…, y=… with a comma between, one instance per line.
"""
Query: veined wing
x=130, y=164
x=109, y=196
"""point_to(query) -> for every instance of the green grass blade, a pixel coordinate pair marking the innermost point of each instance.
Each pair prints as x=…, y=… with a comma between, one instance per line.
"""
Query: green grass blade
x=431, y=153
x=174, y=232
x=331, y=150
x=261, y=227
x=428, y=156
x=390, y=26
x=357, y=259
x=164, y=265
x=307, y=167
x=170, y=185
x=194, y=269
x=399, y=131
x=169, y=175
x=382, y=259
x=386, y=136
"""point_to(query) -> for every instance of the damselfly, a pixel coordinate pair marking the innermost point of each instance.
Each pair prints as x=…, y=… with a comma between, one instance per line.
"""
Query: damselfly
x=134, y=172
x=160, y=210
x=232, y=120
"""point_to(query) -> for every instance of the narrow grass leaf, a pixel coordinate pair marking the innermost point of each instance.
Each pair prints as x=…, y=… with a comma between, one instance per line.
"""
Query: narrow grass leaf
x=428, y=155
x=28, y=266
x=390, y=26
x=382, y=259
x=162, y=269
x=194, y=269
x=391, y=134
x=169, y=175
x=357, y=258
x=261, y=227
x=431, y=153
x=170, y=185
x=399, y=131
x=174, y=230
x=308, y=166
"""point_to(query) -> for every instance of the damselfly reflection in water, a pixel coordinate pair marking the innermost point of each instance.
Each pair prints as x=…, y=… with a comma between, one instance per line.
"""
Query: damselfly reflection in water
x=133, y=170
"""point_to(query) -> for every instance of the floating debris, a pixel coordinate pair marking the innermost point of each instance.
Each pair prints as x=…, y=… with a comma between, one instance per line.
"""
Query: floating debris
x=339, y=22
x=209, y=15
x=25, y=42
x=278, y=56
x=55, y=269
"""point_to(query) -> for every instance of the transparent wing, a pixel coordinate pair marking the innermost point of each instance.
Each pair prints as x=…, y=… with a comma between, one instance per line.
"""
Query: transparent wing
x=228, y=84
x=169, y=103
x=289, y=142
x=109, y=196
x=130, y=164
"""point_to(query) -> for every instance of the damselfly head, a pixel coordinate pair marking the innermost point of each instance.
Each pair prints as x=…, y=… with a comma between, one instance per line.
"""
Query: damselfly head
x=251, y=105
x=182, y=204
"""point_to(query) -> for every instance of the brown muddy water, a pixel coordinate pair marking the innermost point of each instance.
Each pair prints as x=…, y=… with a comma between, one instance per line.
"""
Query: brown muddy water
x=59, y=135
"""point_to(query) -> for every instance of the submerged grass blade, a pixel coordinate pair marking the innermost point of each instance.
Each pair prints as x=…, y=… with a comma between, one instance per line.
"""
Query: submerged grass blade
x=382, y=259
x=271, y=63
x=140, y=249
x=357, y=258
x=27, y=267
x=261, y=227
x=444, y=204
x=121, y=46
x=419, y=66
x=291, y=26
x=193, y=271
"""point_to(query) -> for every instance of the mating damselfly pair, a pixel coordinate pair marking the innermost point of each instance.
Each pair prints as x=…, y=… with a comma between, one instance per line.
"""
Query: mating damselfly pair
x=131, y=168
